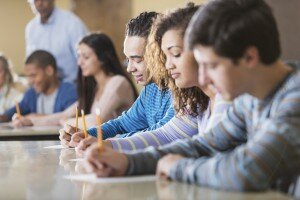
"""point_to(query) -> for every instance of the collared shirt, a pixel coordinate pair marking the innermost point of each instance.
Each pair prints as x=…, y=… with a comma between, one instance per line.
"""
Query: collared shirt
x=59, y=35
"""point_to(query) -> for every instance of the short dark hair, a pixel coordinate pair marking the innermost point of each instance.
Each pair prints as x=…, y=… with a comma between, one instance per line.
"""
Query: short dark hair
x=231, y=26
x=141, y=25
x=42, y=58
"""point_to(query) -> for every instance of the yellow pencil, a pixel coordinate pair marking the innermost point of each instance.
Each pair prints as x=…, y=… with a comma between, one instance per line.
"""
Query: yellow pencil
x=18, y=110
x=76, y=115
x=99, y=130
x=84, y=124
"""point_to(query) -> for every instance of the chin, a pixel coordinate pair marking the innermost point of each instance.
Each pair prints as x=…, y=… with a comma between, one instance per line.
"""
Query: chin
x=181, y=84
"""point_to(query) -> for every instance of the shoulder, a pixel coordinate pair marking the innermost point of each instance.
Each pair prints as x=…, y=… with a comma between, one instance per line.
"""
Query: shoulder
x=30, y=93
x=66, y=86
x=69, y=16
x=31, y=24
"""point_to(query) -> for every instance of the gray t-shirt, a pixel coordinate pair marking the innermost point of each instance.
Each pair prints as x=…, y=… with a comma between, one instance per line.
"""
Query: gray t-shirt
x=45, y=103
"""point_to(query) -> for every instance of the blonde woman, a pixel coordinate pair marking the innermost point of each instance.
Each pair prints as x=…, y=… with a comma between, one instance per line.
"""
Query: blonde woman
x=9, y=94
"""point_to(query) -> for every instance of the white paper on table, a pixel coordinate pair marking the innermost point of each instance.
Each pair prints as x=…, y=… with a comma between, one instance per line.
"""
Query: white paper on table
x=125, y=179
x=57, y=147
x=76, y=160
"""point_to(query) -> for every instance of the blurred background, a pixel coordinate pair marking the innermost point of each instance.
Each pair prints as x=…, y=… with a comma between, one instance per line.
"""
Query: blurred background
x=110, y=17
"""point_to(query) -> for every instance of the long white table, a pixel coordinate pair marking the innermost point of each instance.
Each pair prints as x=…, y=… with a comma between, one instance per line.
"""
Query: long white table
x=30, y=171
x=7, y=132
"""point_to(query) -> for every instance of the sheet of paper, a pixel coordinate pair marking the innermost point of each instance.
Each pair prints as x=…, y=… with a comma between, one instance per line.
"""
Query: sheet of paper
x=77, y=160
x=57, y=147
x=125, y=179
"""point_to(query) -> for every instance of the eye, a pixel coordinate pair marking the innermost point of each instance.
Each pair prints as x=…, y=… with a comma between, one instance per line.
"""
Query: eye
x=177, y=55
x=138, y=60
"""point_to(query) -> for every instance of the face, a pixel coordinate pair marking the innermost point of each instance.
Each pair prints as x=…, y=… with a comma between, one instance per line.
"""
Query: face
x=2, y=74
x=134, y=48
x=228, y=79
x=88, y=60
x=39, y=78
x=43, y=7
x=180, y=64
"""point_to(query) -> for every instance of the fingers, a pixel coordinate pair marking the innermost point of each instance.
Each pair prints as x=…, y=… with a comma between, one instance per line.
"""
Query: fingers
x=69, y=129
x=64, y=138
x=76, y=138
x=85, y=143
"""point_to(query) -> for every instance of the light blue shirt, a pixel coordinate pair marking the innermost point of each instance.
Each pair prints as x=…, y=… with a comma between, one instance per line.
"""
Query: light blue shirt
x=59, y=35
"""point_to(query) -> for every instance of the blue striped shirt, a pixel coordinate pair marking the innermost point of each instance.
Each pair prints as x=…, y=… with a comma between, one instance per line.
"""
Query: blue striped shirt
x=152, y=109
x=256, y=145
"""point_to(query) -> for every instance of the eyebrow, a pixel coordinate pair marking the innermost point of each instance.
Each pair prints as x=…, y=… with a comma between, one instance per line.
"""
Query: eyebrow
x=135, y=56
x=174, y=46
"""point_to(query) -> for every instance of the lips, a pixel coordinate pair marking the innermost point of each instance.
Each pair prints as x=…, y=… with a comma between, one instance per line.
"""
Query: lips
x=175, y=75
x=138, y=78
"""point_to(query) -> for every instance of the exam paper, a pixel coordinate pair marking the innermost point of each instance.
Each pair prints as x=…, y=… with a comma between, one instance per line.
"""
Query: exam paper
x=76, y=160
x=125, y=179
x=57, y=147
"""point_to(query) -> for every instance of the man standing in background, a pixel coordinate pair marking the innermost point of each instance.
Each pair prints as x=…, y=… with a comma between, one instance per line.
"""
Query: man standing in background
x=56, y=31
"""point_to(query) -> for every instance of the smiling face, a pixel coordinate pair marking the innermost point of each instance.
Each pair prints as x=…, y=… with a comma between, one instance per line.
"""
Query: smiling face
x=180, y=64
x=88, y=60
x=134, y=48
x=39, y=78
x=229, y=79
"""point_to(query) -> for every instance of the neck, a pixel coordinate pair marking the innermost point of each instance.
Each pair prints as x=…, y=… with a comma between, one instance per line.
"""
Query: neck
x=52, y=87
x=45, y=18
x=212, y=98
x=101, y=78
x=267, y=78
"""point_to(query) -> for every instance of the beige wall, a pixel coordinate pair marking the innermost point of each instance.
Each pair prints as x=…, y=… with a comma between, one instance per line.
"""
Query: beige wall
x=14, y=15
x=158, y=5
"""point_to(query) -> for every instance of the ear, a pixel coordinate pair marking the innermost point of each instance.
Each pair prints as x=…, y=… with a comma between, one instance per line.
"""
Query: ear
x=49, y=70
x=251, y=57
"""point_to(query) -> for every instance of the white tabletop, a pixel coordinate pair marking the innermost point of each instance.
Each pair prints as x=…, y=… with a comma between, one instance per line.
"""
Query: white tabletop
x=28, y=170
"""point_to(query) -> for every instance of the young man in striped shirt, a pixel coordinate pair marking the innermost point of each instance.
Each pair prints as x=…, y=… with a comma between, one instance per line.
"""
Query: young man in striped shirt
x=257, y=144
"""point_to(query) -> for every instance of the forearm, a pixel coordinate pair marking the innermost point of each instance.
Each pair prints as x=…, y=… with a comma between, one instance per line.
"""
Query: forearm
x=177, y=128
x=252, y=166
x=144, y=162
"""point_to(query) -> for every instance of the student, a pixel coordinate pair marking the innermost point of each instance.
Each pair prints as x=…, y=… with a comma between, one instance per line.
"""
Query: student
x=194, y=105
x=102, y=83
x=256, y=145
x=9, y=94
x=153, y=108
x=47, y=95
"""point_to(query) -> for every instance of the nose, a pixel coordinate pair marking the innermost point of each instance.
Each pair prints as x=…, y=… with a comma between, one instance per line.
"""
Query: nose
x=31, y=81
x=79, y=62
x=130, y=67
x=169, y=64
x=203, y=78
